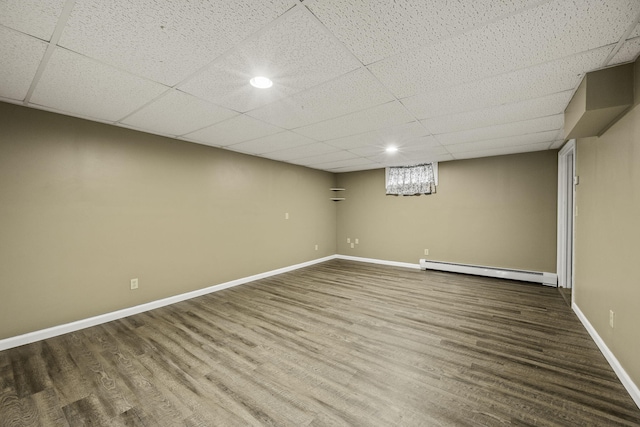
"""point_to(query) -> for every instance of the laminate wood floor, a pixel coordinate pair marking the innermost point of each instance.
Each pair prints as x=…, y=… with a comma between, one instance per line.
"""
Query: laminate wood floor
x=566, y=295
x=335, y=344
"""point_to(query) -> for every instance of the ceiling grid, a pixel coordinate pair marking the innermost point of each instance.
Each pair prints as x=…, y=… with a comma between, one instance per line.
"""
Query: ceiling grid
x=440, y=80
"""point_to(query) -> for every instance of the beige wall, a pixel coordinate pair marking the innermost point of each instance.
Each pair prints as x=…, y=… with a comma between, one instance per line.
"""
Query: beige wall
x=493, y=211
x=607, y=234
x=85, y=207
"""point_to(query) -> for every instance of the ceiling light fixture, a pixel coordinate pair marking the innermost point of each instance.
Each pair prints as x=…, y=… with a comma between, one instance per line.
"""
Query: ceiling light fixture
x=261, y=82
x=391, y=149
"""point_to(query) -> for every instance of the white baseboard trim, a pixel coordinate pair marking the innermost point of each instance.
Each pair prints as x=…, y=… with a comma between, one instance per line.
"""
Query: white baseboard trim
x=54, y=331
x=378, y=261
x=626, y=381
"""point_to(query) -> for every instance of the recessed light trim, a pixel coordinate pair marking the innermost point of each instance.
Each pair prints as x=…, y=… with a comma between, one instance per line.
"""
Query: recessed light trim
x=261, y=82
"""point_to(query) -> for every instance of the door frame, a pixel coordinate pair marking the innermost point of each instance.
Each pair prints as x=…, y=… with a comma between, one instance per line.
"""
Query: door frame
x=566, y=215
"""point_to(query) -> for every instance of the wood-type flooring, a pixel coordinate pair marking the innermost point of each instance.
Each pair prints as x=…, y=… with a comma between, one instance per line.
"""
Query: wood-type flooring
x=566, y=295
x=340, y=343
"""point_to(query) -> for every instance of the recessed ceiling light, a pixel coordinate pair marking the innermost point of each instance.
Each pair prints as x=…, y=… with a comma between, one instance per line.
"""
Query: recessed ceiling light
x=391, y=149
x=261, y=82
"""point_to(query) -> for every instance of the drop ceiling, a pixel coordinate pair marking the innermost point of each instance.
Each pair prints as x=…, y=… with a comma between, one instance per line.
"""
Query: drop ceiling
x=441, y=80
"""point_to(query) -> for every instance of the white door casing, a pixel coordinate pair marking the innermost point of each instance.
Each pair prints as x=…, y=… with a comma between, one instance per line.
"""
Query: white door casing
x=566, y=211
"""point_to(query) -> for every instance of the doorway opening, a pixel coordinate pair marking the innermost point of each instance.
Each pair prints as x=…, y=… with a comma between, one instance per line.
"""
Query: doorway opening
x=566, y=212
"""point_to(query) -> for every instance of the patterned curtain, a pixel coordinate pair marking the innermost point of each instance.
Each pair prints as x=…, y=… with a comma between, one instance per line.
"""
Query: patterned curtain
x=411, y=180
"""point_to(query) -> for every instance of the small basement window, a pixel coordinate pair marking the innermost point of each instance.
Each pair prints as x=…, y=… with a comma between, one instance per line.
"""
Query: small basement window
x=412, y=180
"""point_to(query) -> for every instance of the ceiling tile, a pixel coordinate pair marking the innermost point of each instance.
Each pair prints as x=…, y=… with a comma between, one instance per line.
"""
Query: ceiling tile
x=530, y=138
x=267, y=144
x=370, y=151
x=357, y=161
x=237, y=129
x=503, y=151
x=366, y=166
x=436, y=158
x=414, y=150
x=534, y=82
x=289, y=154
x=418, y=143
x=553, y=30
x=395, y=159
x=405, y=156
x=335, y=156
x=164, y=41
x=540, y=124
x=635, y=32
x=628, y=52
x=351, y=92
x=21, y=56
x=426, y=158
x=514, y=112
x=34, y=17
x=424, y=143
x=381, y=116
x=178, y=113
x=399, y=159
x=375, y=29
x=73, y=83
x=296, y=53
x=396, y=135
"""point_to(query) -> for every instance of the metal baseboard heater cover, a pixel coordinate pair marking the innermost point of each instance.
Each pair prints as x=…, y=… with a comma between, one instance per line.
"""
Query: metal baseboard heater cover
x=547, y=279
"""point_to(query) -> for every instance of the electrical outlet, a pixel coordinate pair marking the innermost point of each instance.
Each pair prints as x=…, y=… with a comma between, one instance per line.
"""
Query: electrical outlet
x=426, y=251
x=286, y=215
x=316, y=247
x=134, y=284
x=612, y=316
x=352, y=246
x=348, y=240
x=357, y=241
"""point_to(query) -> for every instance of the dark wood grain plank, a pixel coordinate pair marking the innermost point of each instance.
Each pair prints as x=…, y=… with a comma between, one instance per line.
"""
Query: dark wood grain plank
x=89, y=411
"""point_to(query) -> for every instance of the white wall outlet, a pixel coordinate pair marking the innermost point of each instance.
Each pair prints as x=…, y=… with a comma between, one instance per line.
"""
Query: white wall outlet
x=612, y=316
x=353, y=246
x=316, y=247
x=134, y=284
x=286, y=215
x=357, y=241
x=348, y=239
x=426, y=251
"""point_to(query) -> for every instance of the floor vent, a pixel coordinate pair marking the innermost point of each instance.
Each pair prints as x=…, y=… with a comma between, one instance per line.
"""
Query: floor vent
x=548, y=279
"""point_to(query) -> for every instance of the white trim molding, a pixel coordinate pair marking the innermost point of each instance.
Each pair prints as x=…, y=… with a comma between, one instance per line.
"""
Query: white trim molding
x=378, y=261
x=54, y=331
x=565, y=277
x=625, y=379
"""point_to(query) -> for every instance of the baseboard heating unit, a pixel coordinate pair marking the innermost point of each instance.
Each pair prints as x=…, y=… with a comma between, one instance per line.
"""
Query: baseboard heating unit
x=547, y=279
